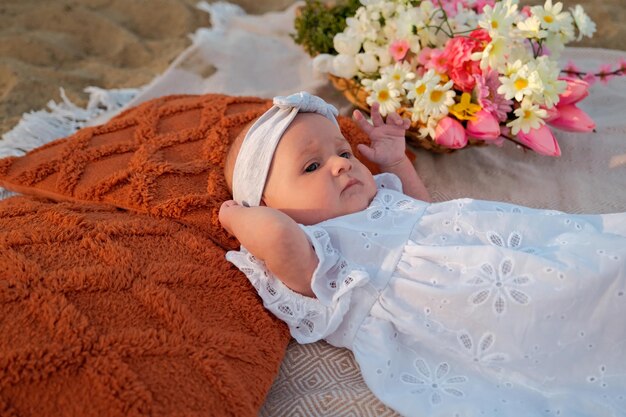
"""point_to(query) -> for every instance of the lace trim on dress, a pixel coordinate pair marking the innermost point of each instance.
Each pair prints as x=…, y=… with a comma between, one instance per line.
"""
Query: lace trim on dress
x=388, y=181
x=309, y=319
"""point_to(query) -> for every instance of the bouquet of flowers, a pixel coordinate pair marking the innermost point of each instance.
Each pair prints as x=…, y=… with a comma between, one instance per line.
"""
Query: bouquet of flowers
x=466, y=72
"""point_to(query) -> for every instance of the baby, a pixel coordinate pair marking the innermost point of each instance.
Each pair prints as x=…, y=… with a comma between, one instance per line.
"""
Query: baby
x=463, y=307
x=313, y=177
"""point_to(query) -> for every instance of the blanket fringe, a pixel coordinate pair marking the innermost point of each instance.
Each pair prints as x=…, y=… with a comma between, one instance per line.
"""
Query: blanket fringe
x=64, y=118
x=221, y=14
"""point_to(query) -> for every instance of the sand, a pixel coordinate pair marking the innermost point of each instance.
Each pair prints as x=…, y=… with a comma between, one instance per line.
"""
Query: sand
x=45, y=45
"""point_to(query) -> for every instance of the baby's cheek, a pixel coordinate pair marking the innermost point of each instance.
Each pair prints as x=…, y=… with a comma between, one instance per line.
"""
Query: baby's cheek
x=372, y=186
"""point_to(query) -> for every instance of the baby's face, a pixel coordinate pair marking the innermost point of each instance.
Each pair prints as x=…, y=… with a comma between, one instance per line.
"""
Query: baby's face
x=314, y=175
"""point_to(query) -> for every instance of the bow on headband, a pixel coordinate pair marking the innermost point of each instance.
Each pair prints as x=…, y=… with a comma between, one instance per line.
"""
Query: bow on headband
x=258, y=146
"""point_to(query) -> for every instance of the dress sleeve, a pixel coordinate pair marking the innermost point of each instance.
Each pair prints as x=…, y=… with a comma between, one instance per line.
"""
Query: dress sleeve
x=388, y=181
x=309, y=319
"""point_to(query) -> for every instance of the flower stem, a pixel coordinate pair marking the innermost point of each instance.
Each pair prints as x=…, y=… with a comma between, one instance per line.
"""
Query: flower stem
x=582, y=74
x=516, y=142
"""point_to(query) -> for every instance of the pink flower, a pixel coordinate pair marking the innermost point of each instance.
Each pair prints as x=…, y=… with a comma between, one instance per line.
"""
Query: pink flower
x=450, y=133
x=590, y=79
x=435, y=59
x=572, y=119
x=424, y=55
x=398, y=49
x=460, y=67
x=480, y=4
x=571, y=67
x=605, y=73
x=540, y=140
x=552, y=113
x=450, y=7
x=526, y=11
x=485, y=126
x=483, y=38
x=575, y=91
x=489, y=98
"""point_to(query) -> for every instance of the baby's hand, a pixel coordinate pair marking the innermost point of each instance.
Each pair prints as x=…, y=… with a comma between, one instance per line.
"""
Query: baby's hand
x=226, y=213
x=388, y=143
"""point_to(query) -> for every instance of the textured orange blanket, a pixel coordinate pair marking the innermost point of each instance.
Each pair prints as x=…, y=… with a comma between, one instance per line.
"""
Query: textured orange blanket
x=108, y=313
x=117, y=300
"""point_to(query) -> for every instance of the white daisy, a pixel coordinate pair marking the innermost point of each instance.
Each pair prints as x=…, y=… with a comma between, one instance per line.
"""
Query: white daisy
x=494, y=54
x=431, y=78
x=519, y=81
x=586, y=26
x=551, y=15
x=438, y=99
x=497, y=20
x=529, y=116
x=417, y=91
x=382, y=92
x=549, y=71
x=531, y=28
x=398, y=74
x=427, y=129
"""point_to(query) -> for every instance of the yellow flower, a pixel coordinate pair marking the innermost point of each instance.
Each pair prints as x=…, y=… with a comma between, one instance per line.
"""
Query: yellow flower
x=465, y=110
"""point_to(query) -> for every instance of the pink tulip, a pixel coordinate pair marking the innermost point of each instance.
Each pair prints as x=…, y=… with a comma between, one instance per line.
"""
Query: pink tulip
x=485, y=126
x=450, y=133
x=572, y=119
x=552, y=113
x=575, y=91
x=540, y=140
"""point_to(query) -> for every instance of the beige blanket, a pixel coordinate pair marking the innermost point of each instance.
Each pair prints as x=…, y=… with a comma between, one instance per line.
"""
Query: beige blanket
x=254, y=55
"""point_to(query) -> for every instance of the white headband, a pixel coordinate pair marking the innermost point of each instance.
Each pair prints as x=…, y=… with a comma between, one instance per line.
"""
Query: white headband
x=258, y=146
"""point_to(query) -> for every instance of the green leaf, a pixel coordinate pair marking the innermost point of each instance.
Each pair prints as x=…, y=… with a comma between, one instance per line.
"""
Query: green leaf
x=318, y=23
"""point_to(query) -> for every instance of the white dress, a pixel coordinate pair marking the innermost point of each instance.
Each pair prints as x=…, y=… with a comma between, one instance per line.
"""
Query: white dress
x=468, y=308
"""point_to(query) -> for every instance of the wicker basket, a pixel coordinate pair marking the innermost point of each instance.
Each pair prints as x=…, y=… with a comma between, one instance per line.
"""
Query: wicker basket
x=357, y=96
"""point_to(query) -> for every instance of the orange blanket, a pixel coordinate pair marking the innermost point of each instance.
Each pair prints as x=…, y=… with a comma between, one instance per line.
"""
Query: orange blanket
x=109, y=313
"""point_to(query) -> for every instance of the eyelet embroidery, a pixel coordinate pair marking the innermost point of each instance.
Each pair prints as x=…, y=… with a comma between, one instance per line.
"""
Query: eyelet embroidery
x=434, y=383
x=479, y=351
x=385, y=204
x=502, y=283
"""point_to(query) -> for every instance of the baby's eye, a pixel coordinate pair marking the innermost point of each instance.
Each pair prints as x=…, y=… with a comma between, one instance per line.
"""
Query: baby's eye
x=346, y=155
x=312, y=167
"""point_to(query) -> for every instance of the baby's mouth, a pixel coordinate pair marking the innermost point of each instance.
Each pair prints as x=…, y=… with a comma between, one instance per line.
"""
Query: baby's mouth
x=350, y=183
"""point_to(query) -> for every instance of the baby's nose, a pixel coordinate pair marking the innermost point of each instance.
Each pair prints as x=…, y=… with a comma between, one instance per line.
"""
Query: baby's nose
x=341, y=164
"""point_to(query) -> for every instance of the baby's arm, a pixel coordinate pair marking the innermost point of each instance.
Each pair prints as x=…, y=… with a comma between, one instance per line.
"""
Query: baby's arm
x=274, y=238
x=388, y=150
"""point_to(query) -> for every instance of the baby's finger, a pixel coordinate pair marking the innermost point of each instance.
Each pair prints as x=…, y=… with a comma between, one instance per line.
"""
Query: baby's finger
x=360, y=119
x=377, y=119
x=366, y=151
x=395, y=119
